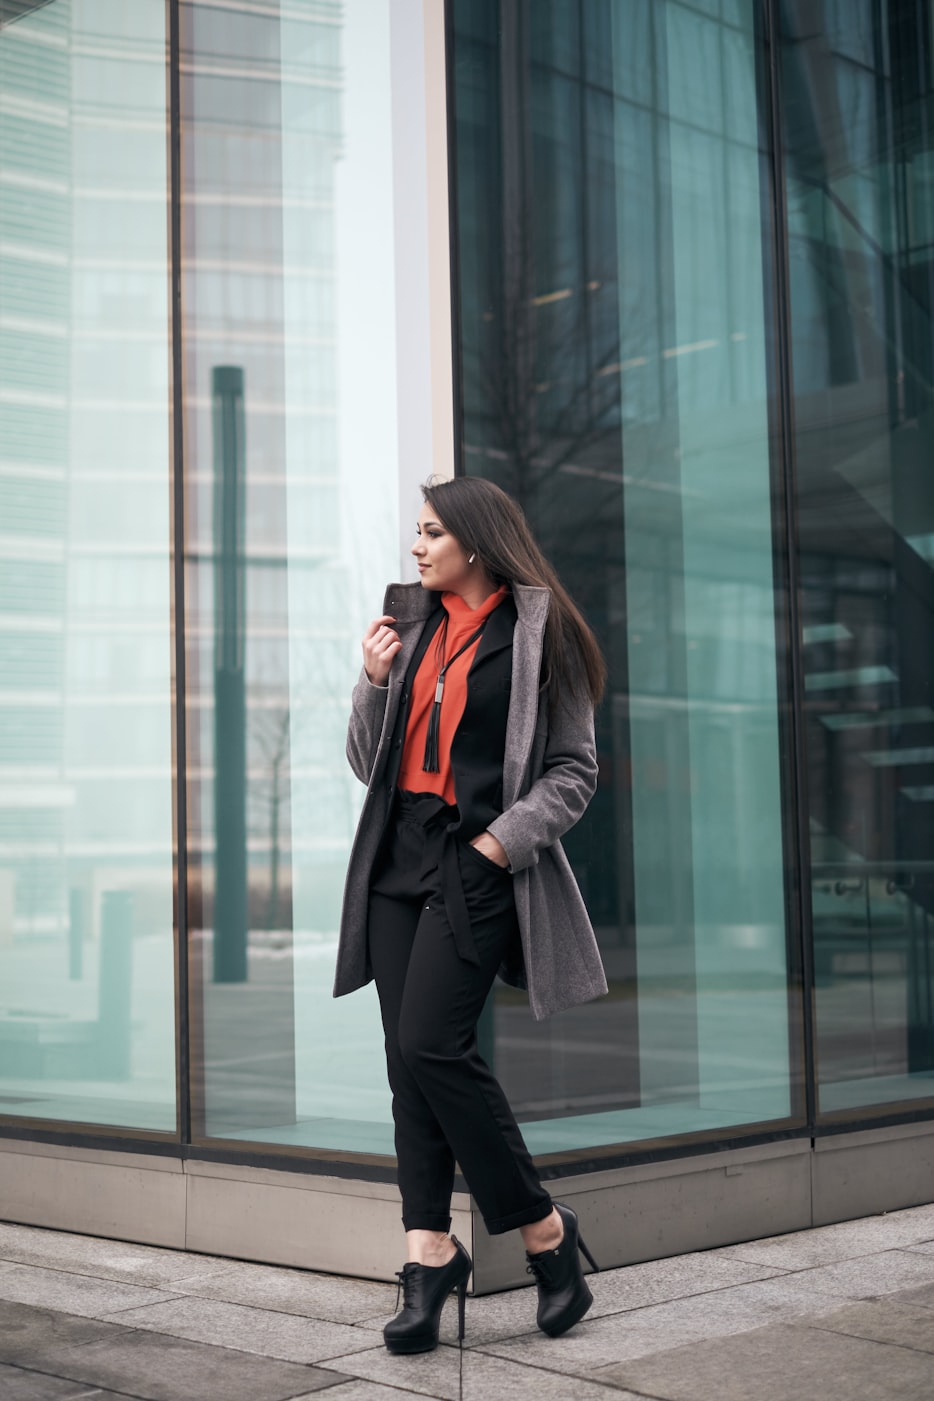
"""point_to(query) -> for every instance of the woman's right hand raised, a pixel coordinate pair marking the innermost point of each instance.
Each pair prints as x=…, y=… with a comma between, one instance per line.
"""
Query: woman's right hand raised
x=380, y=645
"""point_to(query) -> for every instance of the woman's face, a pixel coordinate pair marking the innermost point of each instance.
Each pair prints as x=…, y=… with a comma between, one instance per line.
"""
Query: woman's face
x=442, y=560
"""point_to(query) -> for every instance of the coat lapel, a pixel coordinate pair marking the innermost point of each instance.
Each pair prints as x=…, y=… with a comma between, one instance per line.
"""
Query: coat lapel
x=532, y=610
x=410, y=605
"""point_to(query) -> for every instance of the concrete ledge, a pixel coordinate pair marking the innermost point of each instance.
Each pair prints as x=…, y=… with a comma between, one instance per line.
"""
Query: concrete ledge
x=863, y=1174
x=330, y=1224
x=123, y=1196
x=658, y=1209
x=319, y=1223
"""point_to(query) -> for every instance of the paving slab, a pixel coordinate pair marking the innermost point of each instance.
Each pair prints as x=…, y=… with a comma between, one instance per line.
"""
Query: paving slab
x=436, y=1374
x=264, y=1331
x=18, y=1384
x=598, y=1342
x=500, y=1316
x=27, y=1333
x=492, y=1317
x=679, y=1277
x=104, y=1259
x=867, y=1275
x=923, y=1296
x=888, y=1320
x=783, y=1362
x=372, y=1391
x=800, y=1250
x=451, y=1375
x=330, y=1297
x=158, y=1368
x=485, y=1378
x=72, y=1293
x=119, y=1321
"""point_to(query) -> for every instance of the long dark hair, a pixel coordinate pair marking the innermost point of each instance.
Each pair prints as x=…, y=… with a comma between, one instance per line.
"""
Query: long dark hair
x=485, y=521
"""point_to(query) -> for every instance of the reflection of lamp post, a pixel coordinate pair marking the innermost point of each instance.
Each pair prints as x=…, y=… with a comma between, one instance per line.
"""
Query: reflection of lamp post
x=230, y=884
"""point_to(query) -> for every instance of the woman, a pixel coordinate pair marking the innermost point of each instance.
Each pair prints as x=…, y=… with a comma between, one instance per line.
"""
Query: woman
x=472, y=725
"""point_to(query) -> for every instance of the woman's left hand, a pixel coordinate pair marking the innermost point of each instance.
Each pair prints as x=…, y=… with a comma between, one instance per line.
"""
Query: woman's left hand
x=489, y=847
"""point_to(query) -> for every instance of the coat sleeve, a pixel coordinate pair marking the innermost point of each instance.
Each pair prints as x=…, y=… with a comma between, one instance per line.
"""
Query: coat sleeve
x=368, y=707
x=559, y=796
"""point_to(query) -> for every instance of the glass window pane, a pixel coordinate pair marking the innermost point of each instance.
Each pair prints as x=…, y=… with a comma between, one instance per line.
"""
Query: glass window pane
x=859, y=155
x=615, y=378
x=87, y=1015
x=296, y=247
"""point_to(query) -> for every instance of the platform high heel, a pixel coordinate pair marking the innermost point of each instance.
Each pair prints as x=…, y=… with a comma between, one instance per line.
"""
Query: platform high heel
x=424, y=1289
x=563, y=1294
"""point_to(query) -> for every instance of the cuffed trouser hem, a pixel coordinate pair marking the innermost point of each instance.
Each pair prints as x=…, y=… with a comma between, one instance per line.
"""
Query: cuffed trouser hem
x=426, y=1221
x=520, y=1218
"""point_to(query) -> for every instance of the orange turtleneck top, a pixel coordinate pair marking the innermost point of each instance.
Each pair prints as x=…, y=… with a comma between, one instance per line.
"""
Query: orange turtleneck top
x=461, y=622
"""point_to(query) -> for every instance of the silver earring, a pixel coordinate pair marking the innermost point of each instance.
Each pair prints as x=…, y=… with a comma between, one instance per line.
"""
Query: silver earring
x=472, y=558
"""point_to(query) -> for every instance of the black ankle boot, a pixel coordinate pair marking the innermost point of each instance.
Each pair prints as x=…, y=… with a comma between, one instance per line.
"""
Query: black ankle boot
x=563, y=1294
x=424, y=1289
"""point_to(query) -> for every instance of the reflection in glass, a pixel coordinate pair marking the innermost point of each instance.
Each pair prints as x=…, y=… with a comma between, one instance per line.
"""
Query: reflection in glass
x=615, y=379
x=292, y=509
x=87, y=1018
x=859, y=156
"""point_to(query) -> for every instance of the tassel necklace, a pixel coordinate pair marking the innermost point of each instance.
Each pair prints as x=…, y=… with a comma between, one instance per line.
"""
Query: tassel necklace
x=430, y=763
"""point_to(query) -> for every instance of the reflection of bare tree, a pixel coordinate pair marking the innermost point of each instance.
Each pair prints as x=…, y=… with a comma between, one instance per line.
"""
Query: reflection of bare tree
x=323, y=675
x=548, y=397
x=586, y=393
x=541, y=364
x=303, y=796
x=270, y=731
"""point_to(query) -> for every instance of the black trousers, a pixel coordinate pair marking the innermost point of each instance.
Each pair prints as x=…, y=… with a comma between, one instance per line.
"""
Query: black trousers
x=447, y=1105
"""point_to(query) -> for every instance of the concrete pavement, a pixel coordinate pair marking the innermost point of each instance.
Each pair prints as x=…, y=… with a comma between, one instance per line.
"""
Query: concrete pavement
x=843, y=1311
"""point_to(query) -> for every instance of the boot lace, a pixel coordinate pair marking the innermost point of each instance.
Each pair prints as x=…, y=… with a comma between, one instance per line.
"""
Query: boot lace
x=547, y=1270
x=404, y=1287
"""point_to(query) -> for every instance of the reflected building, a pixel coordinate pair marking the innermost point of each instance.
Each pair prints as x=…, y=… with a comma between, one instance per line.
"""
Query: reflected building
x=663, y=270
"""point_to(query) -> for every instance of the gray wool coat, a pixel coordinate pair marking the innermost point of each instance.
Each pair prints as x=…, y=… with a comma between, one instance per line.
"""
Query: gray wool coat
x=549, y=777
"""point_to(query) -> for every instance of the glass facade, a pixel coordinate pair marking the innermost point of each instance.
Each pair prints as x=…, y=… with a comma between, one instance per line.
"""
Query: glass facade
x=859, y=154
x=292, y=486
x=616, y=379
x=688, y=245
x=87, y=981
